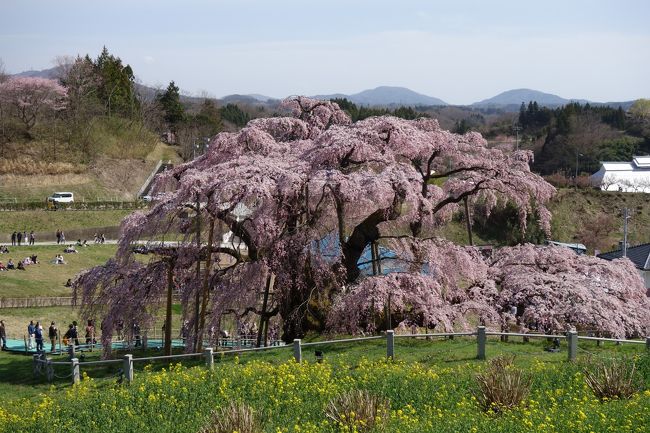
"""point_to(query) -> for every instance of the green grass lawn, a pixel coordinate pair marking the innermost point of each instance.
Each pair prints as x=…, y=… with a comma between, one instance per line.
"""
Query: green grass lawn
x=50, y=221
x=45, y=278
x=429, y=387
x=16, y=319
x=84, y=188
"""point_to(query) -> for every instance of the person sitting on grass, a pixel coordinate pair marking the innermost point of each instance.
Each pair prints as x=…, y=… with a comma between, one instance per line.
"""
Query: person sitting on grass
x=10, y=264
x=70, y=249
x=2, y=267
x=21, y=266
x=34, y=259
x=4, y=249
x=58, y=260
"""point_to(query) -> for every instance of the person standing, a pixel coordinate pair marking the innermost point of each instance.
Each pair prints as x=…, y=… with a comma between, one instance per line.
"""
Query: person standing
x=90, y=334
x=75, y=333
x=30, y=331
x=3, y=335
x=13, y=239
x=38, y=334
x=62, y=237
x=25, y=239
x=53, y=333
x=136, y=334
x=32, y=238
x=19, y=237
x=58, y=237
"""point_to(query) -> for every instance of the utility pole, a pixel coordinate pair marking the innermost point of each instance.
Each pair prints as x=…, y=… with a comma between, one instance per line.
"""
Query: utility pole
x=517, y=128
x=575, y=179
x=626, y=216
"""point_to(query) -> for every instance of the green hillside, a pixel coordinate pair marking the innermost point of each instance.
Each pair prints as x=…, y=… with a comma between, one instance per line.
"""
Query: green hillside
x=587, y=216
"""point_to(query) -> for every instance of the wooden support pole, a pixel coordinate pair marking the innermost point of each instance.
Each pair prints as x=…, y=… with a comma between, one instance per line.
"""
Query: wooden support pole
x=206, y=287
x=168, y=315
x=468, y=221
x=197, y=299
x=264, y=320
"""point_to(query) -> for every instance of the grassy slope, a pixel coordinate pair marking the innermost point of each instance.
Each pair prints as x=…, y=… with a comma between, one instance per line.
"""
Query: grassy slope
x=442, y=353
x=108, y=178
x=42, y=220
x=572, y=209
x=46, y=279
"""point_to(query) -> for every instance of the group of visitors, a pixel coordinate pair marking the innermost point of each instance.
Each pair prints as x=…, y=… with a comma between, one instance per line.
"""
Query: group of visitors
x=100, y=239
x=19, y=238
x=60, y=237
x=11, y=265
x=36, y=336
x=4, y=249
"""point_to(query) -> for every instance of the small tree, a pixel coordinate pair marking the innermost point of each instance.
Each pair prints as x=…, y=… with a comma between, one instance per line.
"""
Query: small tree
x=30, y=98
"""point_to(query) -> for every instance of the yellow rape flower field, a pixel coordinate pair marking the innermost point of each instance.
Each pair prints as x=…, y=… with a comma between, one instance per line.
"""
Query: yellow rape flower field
x=291, y=397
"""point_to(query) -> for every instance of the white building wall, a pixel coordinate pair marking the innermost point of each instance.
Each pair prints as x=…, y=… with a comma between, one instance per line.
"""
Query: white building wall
x=622, y=176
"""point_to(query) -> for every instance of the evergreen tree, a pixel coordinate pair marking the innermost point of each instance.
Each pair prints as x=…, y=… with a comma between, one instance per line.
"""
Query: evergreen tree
x=116, y=88
x=234, y=114
x=173, y=110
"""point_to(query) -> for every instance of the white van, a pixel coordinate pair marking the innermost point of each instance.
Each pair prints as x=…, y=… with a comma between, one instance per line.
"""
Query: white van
x=62, y=197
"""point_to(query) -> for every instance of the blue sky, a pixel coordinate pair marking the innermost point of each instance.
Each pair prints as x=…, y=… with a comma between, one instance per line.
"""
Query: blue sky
x=459, y=51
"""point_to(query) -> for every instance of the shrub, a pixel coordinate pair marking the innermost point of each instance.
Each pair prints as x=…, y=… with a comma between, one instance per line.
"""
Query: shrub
x=235, y=417
x=502, y=386
x=613, y=379
x=358, y=410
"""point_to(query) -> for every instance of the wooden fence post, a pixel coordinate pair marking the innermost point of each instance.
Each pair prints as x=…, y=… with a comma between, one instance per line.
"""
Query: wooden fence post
x=297, y=350
x=74, y=365
x=390, y=344
x=35, y=365
x=49, y=369
x=572, y=341
x=209, y=358
x=481, y=340
x=128, y=368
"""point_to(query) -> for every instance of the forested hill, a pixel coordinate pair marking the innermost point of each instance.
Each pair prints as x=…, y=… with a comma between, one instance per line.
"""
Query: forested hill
x=577, y=135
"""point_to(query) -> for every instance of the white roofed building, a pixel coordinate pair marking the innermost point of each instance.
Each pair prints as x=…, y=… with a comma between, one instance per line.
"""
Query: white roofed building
x=624, y=176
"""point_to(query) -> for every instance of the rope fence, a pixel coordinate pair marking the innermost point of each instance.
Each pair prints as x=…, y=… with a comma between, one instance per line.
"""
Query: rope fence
x=44, y=366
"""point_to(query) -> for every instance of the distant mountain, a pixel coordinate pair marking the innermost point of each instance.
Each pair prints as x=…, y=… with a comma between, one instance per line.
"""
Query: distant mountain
x=250, y=99
x=387, y=95
x=516, y=96
x=45, y=73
